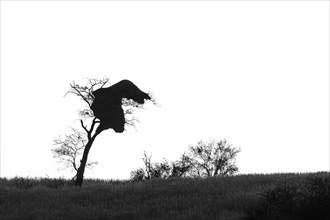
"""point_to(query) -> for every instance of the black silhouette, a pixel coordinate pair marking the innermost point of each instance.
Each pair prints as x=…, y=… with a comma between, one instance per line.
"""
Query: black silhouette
x=107, y=104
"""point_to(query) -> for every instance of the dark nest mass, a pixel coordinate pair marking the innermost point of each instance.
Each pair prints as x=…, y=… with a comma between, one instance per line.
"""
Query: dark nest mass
x=107, y=105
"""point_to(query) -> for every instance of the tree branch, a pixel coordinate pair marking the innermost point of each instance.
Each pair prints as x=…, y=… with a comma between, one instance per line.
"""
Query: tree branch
x=77, y=90
x=82, y=125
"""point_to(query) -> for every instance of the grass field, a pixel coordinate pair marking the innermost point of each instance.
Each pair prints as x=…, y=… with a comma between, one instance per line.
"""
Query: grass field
x=182, y=198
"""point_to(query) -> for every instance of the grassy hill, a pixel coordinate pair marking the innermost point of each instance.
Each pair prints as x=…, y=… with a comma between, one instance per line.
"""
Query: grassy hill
x=182, y=198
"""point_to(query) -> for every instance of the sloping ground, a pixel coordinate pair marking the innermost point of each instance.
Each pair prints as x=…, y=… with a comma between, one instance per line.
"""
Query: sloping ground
x=181, y=198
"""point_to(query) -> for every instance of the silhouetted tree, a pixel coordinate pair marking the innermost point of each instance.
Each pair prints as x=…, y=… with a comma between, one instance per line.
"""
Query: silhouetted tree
x=107, y=107
x=214, y=158
x=69, y=150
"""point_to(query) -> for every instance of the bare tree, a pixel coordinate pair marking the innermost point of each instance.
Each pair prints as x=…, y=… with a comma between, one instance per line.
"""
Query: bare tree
x=148, y=166
x=124, y=92
x=69, y=150
x=143, y=173
x=86, y=94
x=214, y=158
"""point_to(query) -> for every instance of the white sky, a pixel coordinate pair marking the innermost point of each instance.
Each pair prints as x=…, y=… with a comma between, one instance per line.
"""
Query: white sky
x=255, y=73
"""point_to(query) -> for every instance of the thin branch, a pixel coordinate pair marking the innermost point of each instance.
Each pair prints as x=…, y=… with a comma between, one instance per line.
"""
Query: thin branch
x=82, y=125
x=77, y=90
x=74, y=165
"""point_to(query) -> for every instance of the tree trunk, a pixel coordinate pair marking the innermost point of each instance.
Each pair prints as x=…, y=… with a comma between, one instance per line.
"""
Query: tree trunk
x=83, y=161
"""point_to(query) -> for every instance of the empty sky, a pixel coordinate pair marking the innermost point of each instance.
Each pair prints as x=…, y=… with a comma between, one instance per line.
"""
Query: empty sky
x=255, y=73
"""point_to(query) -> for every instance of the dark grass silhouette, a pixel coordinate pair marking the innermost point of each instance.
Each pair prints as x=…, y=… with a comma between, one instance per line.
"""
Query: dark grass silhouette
x=294, y=200
x=175, y=198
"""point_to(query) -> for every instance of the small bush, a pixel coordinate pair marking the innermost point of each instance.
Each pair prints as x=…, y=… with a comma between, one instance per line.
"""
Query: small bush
x=294, y=200
x=138, y=175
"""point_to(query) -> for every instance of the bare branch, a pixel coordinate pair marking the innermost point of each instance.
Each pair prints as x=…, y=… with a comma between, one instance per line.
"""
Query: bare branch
x=82, y=125
x=79, y=91
x=69, y=149
x=153, y=100
x=86, y=92
x=91, y=164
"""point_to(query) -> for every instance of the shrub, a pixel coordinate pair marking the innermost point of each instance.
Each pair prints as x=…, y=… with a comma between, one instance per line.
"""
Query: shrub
x=138, y=175
x=162, y=170
x=294, y=200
